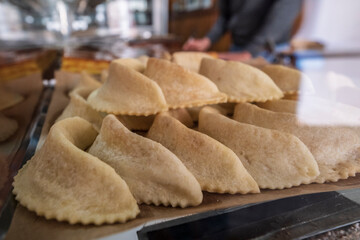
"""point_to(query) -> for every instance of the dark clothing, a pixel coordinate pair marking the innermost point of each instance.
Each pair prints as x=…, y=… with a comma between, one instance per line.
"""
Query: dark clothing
x=254, y=22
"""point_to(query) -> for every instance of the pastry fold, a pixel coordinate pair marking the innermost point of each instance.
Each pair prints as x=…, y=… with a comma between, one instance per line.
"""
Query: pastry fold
x=189, y=60
x=65, y=183
x=215, y=166
x=181, y=87
x=275, y=159
x=336, y=149
x=289, y=80
x=78, y=106
x=154, y=174
x=241, y=82
x=128, y=92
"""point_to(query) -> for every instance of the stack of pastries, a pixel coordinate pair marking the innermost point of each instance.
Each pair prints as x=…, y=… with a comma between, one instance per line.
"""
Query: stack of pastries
x=208, y=125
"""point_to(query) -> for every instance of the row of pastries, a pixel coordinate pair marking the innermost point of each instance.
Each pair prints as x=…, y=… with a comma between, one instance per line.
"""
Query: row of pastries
x=93, y=169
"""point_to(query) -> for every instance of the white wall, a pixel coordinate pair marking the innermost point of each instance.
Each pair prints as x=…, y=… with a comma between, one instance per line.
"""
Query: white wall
x=334, y=22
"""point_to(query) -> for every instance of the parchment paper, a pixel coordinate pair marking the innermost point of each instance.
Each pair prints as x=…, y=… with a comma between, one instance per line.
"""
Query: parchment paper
x=27, y=225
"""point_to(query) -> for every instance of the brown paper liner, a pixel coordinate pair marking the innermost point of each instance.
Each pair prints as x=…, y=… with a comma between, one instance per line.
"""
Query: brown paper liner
x=26, y=225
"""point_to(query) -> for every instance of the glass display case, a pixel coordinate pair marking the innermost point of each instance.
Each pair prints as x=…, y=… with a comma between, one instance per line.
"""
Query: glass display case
x=48, y=47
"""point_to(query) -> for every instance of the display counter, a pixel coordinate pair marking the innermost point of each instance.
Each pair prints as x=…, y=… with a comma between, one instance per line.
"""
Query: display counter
x=298, y=212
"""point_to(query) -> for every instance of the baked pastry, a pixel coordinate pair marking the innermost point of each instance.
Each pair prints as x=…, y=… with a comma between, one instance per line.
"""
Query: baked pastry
x=336, y=149
x=143, y=59
x=275, y=159
x=223, y=108
x=281, y=105
x=86, y=80
x=289, y=80
x=183, y=116
x=132, y=63
x=189, y=60
x=128, y=92
x=216, y=167
x=241, y=82
x=181, y=87
x=65, y=183
x=78, y=106
x=153, y=173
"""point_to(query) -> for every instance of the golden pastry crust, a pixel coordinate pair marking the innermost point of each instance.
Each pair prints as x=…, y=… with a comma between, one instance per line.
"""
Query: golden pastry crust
x=189, y=60
x=241, y=82
x=216, y=167
x=86, y=80
x=132, y=63
x=143, y=59
x=136, y=123
x=65, y=183
x=128, y=92
x=289, y=80
x=223, y=108
x=182, y=115
x=104, y=75
x=153, y=173
x=181, y=87
x=78, y=106
x=336, y=149
x=275, y=159
x=281, y=105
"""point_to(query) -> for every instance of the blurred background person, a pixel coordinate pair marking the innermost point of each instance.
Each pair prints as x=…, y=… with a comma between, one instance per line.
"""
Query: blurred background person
x=254, y=25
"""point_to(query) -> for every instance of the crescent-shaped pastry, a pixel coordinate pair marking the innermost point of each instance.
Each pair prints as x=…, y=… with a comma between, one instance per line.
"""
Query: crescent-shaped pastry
x=153, y=173
x=8, y=127
x=241, y=82
x=275, y=159
x=216, y=167
x=181, y=87
x=289, y=80
x=189, y=60
x=78, y=106
x=336, y=149
x=128, y=92
x=65, y=183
